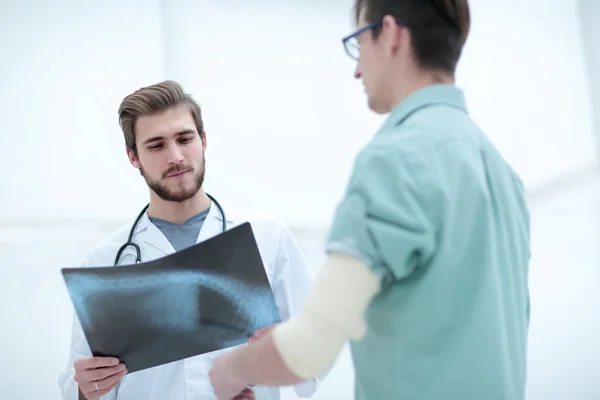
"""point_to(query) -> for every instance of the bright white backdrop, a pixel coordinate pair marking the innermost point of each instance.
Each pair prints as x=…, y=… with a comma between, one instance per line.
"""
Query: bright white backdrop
x=284, y=120
x=283, y=114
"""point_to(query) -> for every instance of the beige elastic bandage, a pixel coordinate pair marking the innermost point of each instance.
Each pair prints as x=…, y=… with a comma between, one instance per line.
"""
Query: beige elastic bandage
x=334, y=313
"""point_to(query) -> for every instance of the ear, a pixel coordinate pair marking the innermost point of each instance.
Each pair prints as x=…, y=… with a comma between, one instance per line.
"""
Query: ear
x=396, y=34
x=204, y=142
x=133, y=159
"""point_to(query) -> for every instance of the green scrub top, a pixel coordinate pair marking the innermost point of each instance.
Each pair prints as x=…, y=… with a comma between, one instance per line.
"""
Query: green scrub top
x=435, y=210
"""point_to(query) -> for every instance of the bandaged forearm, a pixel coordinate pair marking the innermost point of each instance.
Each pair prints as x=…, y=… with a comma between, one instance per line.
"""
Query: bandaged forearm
x=334, y=313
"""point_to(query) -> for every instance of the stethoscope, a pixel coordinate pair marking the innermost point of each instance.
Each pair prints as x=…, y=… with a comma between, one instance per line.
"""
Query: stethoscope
x=138, y=251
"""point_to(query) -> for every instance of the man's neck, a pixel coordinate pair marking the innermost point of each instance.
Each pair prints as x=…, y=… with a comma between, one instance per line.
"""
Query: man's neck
x=418, y=82
x=175, y=212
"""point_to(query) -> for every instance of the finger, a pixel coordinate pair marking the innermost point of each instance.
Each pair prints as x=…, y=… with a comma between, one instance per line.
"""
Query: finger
x=105, y=391
x=250, y=396
x=95, y=362
x=111, y=380
x=92, y=375
x=246, y=394
x=101, y=362
x=262, y=331
x=104, y=385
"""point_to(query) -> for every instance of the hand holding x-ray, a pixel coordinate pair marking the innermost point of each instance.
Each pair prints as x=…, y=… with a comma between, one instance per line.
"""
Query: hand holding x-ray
x=96, y=376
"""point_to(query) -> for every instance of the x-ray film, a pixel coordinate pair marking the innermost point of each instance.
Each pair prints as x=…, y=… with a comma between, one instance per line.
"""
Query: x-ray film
x=207, y=297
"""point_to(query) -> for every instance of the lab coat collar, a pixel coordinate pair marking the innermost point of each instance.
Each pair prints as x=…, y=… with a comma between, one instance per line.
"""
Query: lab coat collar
x=151, y=235
x=437, y=94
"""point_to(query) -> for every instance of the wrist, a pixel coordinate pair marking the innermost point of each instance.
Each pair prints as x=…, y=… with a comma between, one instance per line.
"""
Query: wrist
x=237, y=370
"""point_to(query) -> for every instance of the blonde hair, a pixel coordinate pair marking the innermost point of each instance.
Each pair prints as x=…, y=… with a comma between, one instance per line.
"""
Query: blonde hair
x=152, y=99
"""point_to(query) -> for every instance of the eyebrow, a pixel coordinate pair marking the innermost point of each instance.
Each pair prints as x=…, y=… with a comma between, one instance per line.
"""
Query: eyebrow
x=157, y=138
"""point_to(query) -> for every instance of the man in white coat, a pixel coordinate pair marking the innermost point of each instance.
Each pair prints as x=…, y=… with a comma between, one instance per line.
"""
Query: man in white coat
x=166, y=141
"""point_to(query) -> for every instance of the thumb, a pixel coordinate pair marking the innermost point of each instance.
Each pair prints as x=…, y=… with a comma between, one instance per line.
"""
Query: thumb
x=263, y=331
x=259, y=332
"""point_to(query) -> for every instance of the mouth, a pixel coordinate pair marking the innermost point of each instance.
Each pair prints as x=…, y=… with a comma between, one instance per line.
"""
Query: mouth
x=178, y=174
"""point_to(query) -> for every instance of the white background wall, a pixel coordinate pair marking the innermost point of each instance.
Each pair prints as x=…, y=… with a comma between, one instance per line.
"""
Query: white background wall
x=271, y=112
x=272, y=116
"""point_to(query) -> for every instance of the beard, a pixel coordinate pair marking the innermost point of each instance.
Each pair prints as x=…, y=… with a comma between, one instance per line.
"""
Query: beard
x=182, y=194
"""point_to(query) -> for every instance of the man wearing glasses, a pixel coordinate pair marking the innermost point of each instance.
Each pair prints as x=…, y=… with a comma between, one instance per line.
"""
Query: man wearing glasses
x=429, y=249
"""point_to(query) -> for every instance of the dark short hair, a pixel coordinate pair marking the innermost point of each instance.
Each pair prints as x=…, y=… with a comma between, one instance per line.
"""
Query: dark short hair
x=152, y=99
x=439, y=28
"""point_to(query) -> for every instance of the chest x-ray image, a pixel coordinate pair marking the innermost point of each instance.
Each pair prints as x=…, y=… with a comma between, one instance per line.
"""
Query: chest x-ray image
x=207, y=297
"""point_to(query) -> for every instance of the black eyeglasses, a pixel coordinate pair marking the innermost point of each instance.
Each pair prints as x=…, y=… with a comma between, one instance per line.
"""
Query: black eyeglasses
x=350, y=42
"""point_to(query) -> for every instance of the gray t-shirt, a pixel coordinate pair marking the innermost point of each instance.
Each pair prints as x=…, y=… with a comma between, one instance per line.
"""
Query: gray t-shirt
x=184, y=235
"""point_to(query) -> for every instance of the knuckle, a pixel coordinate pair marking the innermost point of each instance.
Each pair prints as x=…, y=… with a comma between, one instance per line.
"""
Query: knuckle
x=106, y=390
x=79, y=364
x=108, y=382
x=99, y=374
x=93, y=375
x=114, y=370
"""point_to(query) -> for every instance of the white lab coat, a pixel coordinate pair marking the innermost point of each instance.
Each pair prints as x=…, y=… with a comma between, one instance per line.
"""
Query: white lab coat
x=288, y=274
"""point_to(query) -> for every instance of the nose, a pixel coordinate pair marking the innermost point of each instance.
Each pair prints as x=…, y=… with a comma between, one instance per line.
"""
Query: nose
x=357, y=73
x=175, y=155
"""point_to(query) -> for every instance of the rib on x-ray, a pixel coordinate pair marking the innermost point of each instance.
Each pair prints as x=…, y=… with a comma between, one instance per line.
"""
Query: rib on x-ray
x=208, y=297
